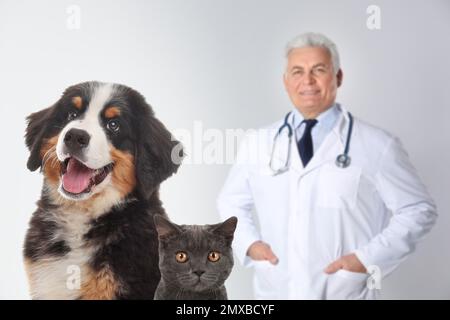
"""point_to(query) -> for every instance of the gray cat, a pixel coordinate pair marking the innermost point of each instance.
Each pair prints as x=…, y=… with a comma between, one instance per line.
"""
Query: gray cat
x=194, y=260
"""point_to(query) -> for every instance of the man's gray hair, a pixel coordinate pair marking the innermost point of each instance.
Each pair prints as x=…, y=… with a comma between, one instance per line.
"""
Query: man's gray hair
x=311, y=39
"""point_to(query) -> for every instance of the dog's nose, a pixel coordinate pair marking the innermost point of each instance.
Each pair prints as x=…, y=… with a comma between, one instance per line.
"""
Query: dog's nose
x=76, y=139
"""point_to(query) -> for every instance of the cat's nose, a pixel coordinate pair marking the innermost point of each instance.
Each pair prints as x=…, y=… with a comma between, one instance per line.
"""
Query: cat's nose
x=199, y=272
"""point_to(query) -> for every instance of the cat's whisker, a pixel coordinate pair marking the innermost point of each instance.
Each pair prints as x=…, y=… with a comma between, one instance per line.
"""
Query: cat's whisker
x=211, y=277
x=183, y=277
x=179, y=294
x=213, y=293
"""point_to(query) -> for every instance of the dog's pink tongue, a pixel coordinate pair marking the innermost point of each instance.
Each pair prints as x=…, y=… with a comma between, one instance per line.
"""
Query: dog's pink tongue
x=77, y=177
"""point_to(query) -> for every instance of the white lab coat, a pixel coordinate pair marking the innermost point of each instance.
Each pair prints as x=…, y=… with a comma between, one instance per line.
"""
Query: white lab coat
x=376, y=208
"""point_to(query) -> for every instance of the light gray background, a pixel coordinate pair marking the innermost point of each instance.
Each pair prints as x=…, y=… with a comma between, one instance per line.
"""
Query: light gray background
x=221, y=62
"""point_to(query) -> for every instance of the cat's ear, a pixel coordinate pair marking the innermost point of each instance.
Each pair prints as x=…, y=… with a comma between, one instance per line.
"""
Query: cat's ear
x=226, y=228
x=164, y=227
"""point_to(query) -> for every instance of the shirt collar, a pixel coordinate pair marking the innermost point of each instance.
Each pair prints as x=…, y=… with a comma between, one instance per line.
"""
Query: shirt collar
x=326, y=119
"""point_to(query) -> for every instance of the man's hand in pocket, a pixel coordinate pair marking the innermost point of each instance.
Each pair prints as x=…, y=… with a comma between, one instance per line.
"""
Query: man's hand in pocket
x=260, y=250
x=349, y=262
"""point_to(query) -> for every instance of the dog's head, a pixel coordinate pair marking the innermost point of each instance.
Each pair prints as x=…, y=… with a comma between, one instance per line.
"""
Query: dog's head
x=100, y=138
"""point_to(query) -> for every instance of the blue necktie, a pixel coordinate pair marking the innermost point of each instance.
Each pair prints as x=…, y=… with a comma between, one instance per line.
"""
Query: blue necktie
x=305, y=144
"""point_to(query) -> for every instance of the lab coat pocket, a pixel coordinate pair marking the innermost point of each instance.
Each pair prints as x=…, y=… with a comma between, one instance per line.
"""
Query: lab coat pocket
x=265, y=282
x=346, y=285
x=338, y=187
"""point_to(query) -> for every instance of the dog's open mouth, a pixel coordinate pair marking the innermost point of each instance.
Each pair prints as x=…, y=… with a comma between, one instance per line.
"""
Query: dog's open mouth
x=77, y=178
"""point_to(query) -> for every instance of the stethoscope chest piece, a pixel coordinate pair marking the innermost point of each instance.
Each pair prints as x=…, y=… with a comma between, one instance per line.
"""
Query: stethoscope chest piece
x=343, y=161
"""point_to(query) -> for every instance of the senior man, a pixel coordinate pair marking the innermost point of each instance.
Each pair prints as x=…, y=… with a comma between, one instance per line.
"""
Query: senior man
x=334, y=196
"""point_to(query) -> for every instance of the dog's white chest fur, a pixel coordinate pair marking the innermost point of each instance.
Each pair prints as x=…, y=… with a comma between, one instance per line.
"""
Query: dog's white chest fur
x=62, y=277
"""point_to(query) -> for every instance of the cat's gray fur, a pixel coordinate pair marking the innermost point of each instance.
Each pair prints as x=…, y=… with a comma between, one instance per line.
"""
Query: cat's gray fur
x=198, y=278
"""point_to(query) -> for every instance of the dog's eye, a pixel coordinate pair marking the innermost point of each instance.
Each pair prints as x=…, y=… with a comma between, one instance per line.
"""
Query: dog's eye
x=72, y=115
x=113, y=125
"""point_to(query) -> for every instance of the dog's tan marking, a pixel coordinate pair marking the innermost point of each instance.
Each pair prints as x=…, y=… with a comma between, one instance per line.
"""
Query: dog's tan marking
x=99, y=285
x=123, y=174
x=50, y=163
x=112, y=112
x=77, y=102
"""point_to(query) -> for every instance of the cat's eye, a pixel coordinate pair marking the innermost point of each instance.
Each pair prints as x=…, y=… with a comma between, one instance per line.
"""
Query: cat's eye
x=214, y=256
x=181, y=257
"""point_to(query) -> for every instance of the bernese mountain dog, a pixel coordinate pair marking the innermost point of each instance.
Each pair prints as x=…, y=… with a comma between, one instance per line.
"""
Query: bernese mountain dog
x=103, y=155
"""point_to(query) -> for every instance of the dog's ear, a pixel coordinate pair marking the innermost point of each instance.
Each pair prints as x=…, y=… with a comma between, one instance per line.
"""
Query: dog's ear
x=158, y=154
x=34, y=134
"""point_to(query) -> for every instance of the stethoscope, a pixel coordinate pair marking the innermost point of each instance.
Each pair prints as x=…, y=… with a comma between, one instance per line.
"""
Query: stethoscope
x=342, y=161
